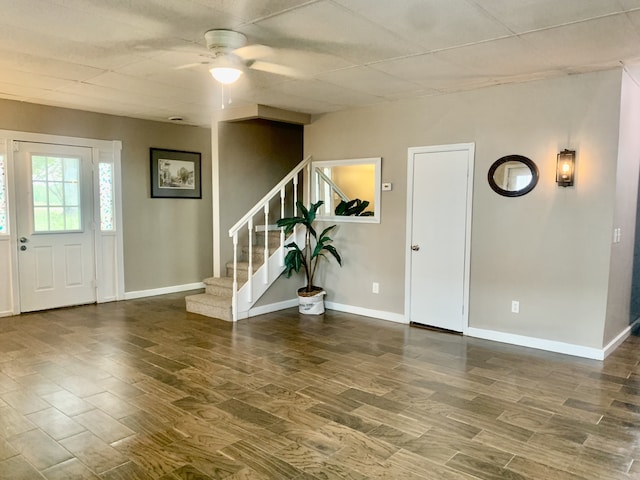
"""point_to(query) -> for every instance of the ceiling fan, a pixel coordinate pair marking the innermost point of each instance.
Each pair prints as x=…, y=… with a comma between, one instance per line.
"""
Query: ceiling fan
x=232, y=56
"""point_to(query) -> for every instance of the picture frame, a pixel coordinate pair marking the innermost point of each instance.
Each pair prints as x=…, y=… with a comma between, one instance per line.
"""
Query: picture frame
x=175, y=173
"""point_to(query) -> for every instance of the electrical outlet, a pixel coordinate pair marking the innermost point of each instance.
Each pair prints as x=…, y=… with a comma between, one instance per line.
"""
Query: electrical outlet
x=375, y=288
x=515, y=306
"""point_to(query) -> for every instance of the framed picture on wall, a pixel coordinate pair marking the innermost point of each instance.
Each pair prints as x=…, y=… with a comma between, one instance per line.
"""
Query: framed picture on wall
x=175, y=174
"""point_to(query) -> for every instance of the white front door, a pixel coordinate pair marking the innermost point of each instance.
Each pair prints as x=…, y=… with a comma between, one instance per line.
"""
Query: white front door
x=439, y=214
x=54, y=205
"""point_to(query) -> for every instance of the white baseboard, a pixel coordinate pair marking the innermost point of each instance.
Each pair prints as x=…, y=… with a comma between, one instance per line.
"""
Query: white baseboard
x=272, y=307
x=551, y=345
x=367, y=312
x=622, y=336
x=538, y=343
x=162, y=291
x=8, y=313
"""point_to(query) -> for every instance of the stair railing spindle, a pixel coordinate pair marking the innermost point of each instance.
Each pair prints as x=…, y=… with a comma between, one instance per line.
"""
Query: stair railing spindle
x=266, y=242
x=250, y=269
x=282, y=200
x=234, y=299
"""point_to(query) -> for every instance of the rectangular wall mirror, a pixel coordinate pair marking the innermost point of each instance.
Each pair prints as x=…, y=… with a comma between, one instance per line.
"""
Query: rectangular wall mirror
x=350, y=189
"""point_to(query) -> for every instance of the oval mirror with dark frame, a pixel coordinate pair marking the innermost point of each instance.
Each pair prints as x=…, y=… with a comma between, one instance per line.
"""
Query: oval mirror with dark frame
x=513, y=176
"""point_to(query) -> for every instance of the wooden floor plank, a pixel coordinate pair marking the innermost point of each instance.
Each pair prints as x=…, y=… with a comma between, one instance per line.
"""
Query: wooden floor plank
x=143, y=390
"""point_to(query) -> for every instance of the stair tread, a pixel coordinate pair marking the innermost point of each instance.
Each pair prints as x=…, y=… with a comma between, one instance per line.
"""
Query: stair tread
x=220, y=281
x=211, y=300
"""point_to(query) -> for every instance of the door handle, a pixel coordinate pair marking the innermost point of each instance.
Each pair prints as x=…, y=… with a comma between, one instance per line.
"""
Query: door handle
x=23, y=247
x=24, y=239
x=415, y=248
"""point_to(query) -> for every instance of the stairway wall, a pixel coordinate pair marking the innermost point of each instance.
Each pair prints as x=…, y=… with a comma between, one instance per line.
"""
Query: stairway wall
x=254, y=155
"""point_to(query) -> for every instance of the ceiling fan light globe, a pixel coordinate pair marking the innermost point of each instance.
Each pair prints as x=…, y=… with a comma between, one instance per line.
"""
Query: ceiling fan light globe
x=225, y=75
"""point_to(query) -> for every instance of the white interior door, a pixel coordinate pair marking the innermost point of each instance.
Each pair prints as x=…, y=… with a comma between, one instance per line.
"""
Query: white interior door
x=54, y=206
x=439, y=210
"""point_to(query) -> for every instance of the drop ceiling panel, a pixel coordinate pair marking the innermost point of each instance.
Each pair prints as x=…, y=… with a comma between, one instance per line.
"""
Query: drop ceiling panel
x=629, y=4
x=16, y=77
x=328, y=28
x=288, y=101
x=252, y=10
x=41, y=44
x=46, y=66
x=432, y=72
x=526, y=15
x=432, y=24
x=317, y=89
x=370, y=81
x=605, y=41
x=93, y=104
x=158, y=19
x=498, y=58
x=145, y=87
x=70, y=24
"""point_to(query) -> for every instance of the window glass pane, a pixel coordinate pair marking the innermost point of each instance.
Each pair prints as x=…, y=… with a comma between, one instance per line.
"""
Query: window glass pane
x=4, y=227
x=39, y=168
x=72, y=218
x=106, y=196
x=41, y=219
x=56, y=194
x=71, y=172
x=56, y=219
x=71, y=195
x=54, y=169
x=39, y=193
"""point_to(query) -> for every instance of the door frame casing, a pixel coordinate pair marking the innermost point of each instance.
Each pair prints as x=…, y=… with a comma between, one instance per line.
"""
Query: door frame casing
x=412, y=152
x=109, y=259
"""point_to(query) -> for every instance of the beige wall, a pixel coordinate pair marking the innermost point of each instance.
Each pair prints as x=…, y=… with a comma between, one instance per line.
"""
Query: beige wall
x=549, y=249
x=167, y=242
x=619, y=301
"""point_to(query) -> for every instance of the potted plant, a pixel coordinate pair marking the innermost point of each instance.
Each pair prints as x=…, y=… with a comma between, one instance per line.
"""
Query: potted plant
x=308, y=255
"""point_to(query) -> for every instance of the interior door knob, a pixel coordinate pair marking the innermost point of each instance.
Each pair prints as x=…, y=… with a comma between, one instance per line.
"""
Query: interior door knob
x=415, y=248
x=23, y=247
x=23, y=240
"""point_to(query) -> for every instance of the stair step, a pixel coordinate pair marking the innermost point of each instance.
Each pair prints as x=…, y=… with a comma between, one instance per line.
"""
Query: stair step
x=243, y=270
x=221, y=286
x=274, y=238
x=258, y=255
x=212, y=306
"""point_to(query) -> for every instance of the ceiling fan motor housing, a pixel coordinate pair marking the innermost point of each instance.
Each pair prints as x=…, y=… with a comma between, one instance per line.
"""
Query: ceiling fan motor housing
x=224, y=41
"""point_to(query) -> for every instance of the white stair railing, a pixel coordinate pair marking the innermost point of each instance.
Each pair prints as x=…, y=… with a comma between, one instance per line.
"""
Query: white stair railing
x=260, y=280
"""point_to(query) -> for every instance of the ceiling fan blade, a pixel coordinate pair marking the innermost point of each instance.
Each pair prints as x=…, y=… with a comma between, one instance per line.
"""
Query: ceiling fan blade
x=191, y=65
x=276, y=69
x=253, y=52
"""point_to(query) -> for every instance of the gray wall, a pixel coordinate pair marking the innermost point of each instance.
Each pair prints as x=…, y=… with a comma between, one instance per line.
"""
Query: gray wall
x=549, y=249
x=167, y=242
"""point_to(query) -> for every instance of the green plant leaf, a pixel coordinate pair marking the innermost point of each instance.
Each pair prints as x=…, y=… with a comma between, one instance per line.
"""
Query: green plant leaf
x=353, y=207
x=306, y=256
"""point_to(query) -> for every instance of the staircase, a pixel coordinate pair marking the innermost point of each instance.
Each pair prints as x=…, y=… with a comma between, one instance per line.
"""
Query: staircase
x=257, y=264
x=217, y=300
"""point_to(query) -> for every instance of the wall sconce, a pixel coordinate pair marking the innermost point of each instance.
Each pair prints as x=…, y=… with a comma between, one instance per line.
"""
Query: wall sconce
x=565, y=168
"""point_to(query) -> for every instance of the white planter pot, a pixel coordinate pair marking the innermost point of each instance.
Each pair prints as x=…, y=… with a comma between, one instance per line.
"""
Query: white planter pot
x=312, y=305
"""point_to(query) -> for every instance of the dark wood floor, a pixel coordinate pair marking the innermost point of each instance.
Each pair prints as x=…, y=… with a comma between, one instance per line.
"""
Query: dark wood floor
x=143, y=390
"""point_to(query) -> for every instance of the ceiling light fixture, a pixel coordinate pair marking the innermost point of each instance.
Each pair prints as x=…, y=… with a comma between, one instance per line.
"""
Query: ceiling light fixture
x=226, y=75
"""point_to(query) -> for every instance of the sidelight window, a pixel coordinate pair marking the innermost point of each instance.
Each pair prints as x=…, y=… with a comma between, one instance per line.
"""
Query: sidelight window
x=4, y=227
